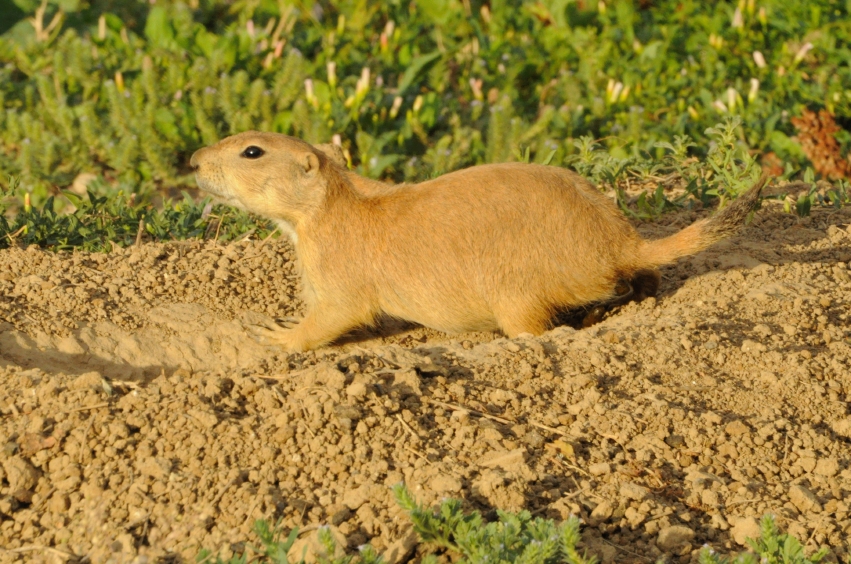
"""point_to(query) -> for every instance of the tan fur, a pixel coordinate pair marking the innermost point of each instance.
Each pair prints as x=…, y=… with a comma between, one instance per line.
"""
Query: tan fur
x=500, y=246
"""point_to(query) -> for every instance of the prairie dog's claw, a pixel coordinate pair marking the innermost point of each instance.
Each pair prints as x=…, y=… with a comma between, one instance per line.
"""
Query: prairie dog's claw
x=261, y=334
x=273, y=334
x=271, y=325
x=289, y=320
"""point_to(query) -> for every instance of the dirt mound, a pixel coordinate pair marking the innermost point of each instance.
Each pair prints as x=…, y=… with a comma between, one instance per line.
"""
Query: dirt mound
x=138, y=418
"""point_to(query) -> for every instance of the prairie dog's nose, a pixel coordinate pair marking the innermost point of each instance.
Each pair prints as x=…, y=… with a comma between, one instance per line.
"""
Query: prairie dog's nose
x=195, y=162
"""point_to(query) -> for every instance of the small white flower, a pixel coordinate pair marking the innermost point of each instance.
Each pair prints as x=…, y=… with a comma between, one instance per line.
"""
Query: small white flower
x=613, y=90
x=759, y=59
x=331, y=66
x=738, y=20
x=476, y=86
x=309, y=93
x=363, y=82
x=731, y=97
x=802, y=52
x=752, y=93
x=397, y=104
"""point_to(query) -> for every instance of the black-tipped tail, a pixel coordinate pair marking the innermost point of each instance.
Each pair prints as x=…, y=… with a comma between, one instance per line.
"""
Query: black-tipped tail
x=701, y=234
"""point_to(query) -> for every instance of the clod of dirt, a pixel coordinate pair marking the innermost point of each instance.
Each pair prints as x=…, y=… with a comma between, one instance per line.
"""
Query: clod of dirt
x=805, y=500
x=675, y=539
x=745, y=528
x=310, y=548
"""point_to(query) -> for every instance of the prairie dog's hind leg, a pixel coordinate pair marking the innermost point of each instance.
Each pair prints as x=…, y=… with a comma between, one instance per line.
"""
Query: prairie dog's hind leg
x=322, y=324
x=645, y=284
x=514, y=319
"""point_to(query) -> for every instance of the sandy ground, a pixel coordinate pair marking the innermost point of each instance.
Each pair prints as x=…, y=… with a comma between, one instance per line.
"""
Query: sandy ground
x=139, y=419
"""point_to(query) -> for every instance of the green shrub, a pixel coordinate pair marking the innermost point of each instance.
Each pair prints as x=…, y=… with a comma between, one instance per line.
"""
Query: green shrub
x=104, y=219
x=127, y=90
x=514, y=538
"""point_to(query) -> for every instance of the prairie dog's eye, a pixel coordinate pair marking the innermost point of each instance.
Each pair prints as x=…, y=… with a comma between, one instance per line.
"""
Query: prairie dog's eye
x=253, y=152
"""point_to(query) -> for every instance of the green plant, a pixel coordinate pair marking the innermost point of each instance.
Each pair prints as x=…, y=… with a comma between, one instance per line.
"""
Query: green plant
x=732, y=169
x=835, y=195
x=517, y=538
x=275, y=548
x=514, y=538
x=726, y=172
x=773, y=547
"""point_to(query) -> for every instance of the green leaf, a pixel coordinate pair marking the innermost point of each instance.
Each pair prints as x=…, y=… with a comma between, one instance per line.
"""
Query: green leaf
x=417, y=66
x=158, y=28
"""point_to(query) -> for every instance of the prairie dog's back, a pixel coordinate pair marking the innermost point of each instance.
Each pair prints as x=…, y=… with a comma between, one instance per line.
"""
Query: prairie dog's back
x=504, y=207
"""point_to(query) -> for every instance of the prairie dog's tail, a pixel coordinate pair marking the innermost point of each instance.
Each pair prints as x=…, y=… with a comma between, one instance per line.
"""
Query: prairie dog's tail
x=703, y=233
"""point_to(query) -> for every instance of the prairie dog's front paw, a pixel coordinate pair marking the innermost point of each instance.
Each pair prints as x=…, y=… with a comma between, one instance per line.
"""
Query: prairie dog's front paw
x=274, y=335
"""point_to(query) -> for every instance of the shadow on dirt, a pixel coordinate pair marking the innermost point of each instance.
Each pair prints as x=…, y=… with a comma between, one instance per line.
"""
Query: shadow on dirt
x=22, y=350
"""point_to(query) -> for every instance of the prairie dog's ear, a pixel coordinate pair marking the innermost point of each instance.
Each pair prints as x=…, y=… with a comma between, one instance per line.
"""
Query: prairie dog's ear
x=333, y=152
x=310, y=163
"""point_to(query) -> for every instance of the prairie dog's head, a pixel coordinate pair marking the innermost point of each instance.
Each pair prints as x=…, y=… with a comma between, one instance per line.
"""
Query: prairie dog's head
x=269, y=174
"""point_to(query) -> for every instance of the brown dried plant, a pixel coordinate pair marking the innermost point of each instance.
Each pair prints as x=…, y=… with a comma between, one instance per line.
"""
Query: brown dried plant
x=817, y=136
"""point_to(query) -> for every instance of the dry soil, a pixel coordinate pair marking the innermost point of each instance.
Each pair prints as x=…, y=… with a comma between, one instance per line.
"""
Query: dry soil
x=139, y=420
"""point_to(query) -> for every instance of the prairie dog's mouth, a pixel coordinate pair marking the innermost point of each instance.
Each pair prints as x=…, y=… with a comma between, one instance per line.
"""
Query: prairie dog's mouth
x=217, y=193
x=212, y=189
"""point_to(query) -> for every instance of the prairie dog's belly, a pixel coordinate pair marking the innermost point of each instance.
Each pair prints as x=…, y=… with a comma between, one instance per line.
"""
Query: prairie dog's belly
x=446, y=321
x=451, y=310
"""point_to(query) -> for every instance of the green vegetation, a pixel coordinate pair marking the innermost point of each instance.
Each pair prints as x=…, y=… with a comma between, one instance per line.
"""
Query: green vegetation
x=101, y=223
x=513, y=539
x=699, y=95
x=773, y=547
x=127, y=90
x=273, y=549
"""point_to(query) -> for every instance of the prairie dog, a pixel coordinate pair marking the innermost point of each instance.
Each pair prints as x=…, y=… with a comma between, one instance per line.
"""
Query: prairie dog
x=501, y=246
